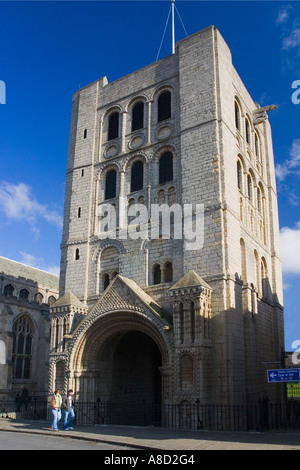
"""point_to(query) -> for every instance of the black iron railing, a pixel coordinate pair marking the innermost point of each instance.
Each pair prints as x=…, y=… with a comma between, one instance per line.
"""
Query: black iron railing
x=258, y=417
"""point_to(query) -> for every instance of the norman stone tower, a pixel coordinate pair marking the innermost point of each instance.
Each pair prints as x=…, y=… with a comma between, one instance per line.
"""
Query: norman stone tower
x=182, y=312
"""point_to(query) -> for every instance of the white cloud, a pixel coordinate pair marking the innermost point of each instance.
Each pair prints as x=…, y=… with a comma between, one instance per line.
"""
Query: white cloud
x=36, y=262
x=290, y=165
x=290, y=249
x=283, y=14
x=292, y=41
x=18, y=203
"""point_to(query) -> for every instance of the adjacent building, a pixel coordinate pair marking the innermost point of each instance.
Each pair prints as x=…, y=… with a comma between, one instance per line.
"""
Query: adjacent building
x=25, y=296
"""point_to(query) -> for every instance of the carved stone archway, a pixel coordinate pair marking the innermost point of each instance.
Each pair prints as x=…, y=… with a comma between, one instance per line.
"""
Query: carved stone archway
x=122, y=349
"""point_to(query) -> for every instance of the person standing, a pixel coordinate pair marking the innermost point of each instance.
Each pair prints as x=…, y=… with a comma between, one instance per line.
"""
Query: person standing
x=55, y=403
x=68, y=410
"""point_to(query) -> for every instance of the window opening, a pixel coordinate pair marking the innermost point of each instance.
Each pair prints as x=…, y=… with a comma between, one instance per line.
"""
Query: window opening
x=237, y=116
x=113, y=126
x=137, y=176
x=157, y=275
x=137, y=116
x=24, y=294
x=164, y=106
x=111, y=184
x=22, y=342
x=168, y=272
x=9, y=290
x=166, y=168
x=247, y=132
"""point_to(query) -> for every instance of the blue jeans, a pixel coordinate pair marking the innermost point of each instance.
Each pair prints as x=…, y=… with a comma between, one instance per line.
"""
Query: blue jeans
x=69, y=418
x=56, y=417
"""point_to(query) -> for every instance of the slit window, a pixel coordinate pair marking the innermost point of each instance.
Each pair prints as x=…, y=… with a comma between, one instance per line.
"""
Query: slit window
x=248, y=134
x=239, y=176
x=237, y=116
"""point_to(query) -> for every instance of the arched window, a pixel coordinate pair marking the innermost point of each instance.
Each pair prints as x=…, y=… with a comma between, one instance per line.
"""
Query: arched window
x=137, y=116
x=264, y=278
x=239, y=175
x=171, y=195
x=237, y=112
x=23, y=294
x=250, y=188
x=108, y=266
x=166, y=168
x=243, y=260
x=113, y=126
x=77, y=254
x=257, y=147
x=259, y=200
x=248, y=133
x=111, y=184
x=164, y=106
x=157, y=274
x=137, y=176
x=22, y=342
x=51, y=300
x=38, y=298
x=168, y=272
x=9, y=290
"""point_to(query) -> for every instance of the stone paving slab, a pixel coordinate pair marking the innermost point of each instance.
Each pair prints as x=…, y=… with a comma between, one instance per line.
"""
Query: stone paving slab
x=171, y=440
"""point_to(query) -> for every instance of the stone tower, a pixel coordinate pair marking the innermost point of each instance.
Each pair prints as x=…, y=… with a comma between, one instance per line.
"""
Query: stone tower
x=188, y=310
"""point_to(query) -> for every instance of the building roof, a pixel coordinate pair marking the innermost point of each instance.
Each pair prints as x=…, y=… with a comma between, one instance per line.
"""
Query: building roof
x=13, y=268
x=68, y=299
x=190, y=279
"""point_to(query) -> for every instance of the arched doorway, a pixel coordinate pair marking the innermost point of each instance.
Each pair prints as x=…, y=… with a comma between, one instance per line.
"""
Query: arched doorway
x=129, y=379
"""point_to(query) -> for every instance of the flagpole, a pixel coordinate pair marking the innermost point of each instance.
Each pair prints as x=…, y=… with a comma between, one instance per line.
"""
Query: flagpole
x=173, y=28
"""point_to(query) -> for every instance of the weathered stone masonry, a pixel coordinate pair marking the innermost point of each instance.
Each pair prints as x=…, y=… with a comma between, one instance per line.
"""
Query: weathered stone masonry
x=203, y=320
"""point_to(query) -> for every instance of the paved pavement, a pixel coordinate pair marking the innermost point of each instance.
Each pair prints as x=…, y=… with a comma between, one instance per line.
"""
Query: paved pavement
x=171, y=440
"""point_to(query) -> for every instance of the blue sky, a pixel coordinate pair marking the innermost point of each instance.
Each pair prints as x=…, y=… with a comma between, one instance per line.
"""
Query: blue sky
x=51, y=49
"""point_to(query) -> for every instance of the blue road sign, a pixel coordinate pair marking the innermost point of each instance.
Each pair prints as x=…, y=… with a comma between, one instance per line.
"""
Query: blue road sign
x=283, y=375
